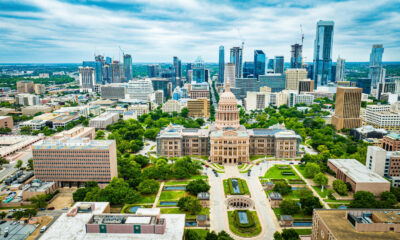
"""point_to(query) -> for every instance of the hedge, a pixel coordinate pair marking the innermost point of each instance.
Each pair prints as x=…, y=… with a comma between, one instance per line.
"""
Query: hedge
x=250, y=219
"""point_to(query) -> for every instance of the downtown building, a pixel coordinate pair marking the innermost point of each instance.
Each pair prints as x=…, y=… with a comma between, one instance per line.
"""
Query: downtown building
x=221, y=64
x=383, y=116
x=384, y=162
x=347, y=108
x=87, y=78
x=75, y=161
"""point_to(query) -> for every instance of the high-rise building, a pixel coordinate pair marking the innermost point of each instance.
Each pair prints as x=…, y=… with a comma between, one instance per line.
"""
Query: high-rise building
x=221, y=62
x=108, y=60
x=153, y=70
x=259, y=63
x=199, y=107
x=323, y=53
x=306, y=85
x=296, y=56
x=340, y=67
x=25, y=87
x=116, y=72
x=279, y=64
x=159, y=97
x=199, y=74
x=40, y=89
x=87, y=78
x=364, y=83
x=128, y=70
x=347, y=108
x=178, y=71
x=293, y=77
x=271, y=64
x=97, y=65
x=375, y=65
x=248, y=69
x=236, y=57
x=140, y=89
x=229, y=75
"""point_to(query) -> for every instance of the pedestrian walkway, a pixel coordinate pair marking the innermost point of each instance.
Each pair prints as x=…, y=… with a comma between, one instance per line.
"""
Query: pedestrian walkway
x=158, y=195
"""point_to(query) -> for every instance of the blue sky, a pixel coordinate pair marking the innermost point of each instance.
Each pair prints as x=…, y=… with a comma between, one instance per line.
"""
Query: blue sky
x=59, y=31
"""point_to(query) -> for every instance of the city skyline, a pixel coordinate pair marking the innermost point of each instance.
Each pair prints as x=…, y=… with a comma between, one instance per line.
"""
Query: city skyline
x=55, y=31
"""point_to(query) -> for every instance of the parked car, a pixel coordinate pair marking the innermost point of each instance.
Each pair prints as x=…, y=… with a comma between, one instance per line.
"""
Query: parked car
x=42, y=209
x=2, y=221
x=43, y=229
x=66, y=208
x=50, y=208
x=248, y=173
x=291, y=163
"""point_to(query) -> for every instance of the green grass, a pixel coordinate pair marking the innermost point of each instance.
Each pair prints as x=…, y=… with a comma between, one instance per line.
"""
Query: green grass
x=303, y=231
x=152, y=147
x=244, y=189
x=201, y=157
x=199, y=177
x=175, y=210
x=337, y=201
x=299, y=215
x=321, y=194
x=255, y=157
x=300, y=168
x=295, y=194
x=126, y=207
x=275, y=173
x=173, y=183
x=147, y=198
x=245, y=232
x=172, y=195
x=218, y=166
x=201, y=232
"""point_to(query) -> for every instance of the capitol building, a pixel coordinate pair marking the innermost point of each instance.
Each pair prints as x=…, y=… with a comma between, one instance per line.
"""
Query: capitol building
x=226, y=141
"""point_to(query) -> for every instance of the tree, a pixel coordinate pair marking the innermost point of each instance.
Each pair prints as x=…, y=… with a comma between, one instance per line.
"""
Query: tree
x=388, y=200
x=283, y=188
x=26, y=130
x=185, y=112
x=3, y=215
x=309, y=203
x=321, y=179
x=224, y=236
x=211, y=236
x=39, y=201
x=189, y=204
x=30, y=164
x=191, y=235
x=340, y=187
x=100, y=134
x=80, y=194
x=3, y=161
x=311, y=169
x=19, y=164
x=289, y=207
x=278, y=236
x=290, y=234
x=363, y=199
x=151, y=133
x=149, y=186
x=197, y=186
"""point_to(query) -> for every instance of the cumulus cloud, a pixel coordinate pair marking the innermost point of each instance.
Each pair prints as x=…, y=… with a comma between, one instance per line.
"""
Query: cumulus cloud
x=156, y=30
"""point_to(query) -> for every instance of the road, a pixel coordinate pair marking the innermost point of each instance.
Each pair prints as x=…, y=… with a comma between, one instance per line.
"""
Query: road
x=214, y=100
x=9, y=169
x=147, y=148
x=218, y=218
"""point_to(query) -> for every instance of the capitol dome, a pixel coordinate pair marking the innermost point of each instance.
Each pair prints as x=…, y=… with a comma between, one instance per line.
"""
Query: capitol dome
x=227, y=113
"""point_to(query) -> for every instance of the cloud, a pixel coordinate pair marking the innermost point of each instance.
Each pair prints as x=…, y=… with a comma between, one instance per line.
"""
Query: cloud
x=156, y=30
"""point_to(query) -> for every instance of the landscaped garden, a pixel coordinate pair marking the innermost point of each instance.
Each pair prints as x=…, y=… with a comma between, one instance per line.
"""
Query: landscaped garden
x=235, y=186
x=244, y=223
x=175, y=210
x=281, y=172
x=170, y=198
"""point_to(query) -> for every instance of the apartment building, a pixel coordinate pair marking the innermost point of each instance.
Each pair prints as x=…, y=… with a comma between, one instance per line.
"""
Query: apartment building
x=199, y=107
x=382, y=116
x=293, y=77
x=257, y=100
x=103, y=120
x=40, y=89
x=25, y=87
x=113, y=92
x=75, y=161
x=347, y=110
x=25, y=99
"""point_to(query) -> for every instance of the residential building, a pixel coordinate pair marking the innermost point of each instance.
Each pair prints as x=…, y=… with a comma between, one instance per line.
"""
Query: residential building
x=236, y=57
x=40, y=89
x=350, y=224
x=113, y=92
x=6, y=122
x=375, y=65
x=140, y=89
x=87, y=78
x=257, y=100
x=128, y=70
x=97, y=65
x=323, y=53
x=116, y=70
x=248, y=69
x=199, y=107
x=293, y=77
x=25, y=87
x=358, y=176
x=296, y=60
x=26, y=99
x=103, y=120
x=279, y=63
x=340, y=69
x=347, y=108
x=221, y=64
x=229, y=74
x=159, y=97
x=259, y=63
x=306, y=85
x=75, y=161
x=172, y=106
x=391, y=142
x=382, y=116
x=77, y=132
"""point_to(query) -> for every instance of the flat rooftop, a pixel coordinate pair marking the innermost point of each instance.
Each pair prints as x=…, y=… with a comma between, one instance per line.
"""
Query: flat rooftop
x=75, y=143
x=341, y=228
x=357, y=171
x=105, y=115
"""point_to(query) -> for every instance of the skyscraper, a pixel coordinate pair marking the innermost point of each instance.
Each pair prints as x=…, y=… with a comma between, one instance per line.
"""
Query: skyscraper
x=100, y=79
x=116, y=72
x=259, y=63
x=87, y=78
x=323, y=53
x=375, y=65
x=296, y=56
x=153, y=70
x=340, y=67
x=271, y=64
x=221, y=63
x=236, y=58
x=199, y=74
x=347, y=108
x=279, y=64
x=229, y=75
x=97, y=65
x=178, y=71
x=128, y=71
x=248, y=69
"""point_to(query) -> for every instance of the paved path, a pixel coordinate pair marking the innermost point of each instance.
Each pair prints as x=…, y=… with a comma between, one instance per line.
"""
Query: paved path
x=218, y=217
x=158, y=195
x=307, y=181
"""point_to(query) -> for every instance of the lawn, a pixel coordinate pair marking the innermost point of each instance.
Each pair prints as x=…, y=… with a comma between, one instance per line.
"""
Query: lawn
x=201, y=232
x=299, y=215
x=337, y=201
x=244, y=232
x=175, y=210
x=300, y=168
x=172, y=195
x=173, y=183
x=295, y=194
x=147, y=198
x=276, y=173
x=321, y=194
x=303, y=231
x=244, y=189
x=195, y=177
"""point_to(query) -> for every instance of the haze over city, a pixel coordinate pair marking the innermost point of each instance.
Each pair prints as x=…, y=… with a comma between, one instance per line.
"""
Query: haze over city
x=54, y=31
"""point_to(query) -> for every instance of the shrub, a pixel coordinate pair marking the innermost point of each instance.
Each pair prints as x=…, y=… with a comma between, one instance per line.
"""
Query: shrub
x=289, y=207
x=250, y=219
x=340, y=187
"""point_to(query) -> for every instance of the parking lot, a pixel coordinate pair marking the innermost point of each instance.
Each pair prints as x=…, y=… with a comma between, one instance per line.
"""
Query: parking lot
x=16, y=230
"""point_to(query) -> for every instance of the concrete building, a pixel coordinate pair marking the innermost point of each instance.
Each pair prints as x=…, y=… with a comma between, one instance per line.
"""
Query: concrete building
x=200, y=91
x=359, y=176
x=384, y=163
x=257, y=100
x=347, y=108
x=368, y=131
x=172, y=106
x=6, y=122
x=340, y=70
x=159, y=97
x=103, y=120
x=87, y=78
x=293, y=77
x=34, y=124
x=79, y=110
x=130, y=115
x=25, y=87
x=113, y=92
x=306, y=85
x=382, y=116
x=26, y=99
x=229, y=74
x=63, y=119
x=75, y=161
x=140, y=89
x=391, y=142
x=140, y=109
x=351, y=224
x=37, y=188
x=119, y=110
x=199, y=107
x=40, y=89
x=294, y=98
x=77, y=132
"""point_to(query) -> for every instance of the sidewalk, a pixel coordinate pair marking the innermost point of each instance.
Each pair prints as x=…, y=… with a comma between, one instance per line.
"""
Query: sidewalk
x=158, y=195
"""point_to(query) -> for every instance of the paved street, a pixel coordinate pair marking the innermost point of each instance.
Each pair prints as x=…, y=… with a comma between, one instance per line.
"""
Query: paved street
x=218, y=216
x=214, y=100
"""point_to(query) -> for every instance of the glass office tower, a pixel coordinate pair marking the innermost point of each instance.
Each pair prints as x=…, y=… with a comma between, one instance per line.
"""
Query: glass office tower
x=259, y=63
x=237, y=58
x=221, y=64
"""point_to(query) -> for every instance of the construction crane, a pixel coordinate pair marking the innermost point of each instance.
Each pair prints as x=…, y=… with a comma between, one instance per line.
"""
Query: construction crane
x=123, y=54
x=302, y=34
